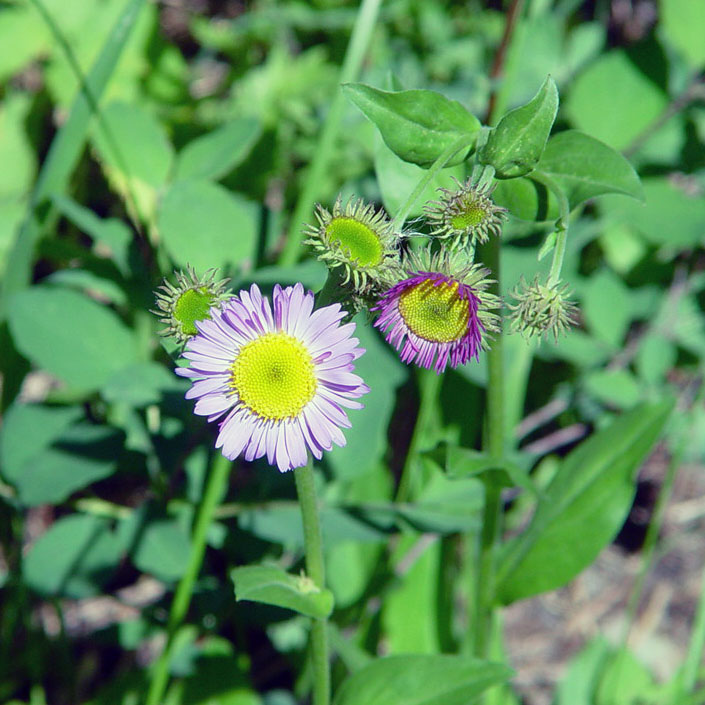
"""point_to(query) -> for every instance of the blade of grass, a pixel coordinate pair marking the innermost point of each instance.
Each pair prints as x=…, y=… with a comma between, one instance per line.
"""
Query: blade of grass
x=63, y=155
x=355, y=53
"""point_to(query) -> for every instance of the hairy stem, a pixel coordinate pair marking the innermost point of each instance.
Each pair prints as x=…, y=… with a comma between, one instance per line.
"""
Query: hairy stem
x=315, y=568
x=212, y=495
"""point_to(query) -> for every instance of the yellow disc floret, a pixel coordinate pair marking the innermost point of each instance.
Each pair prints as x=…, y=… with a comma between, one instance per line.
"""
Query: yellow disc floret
x=274, y=376
x=435, y=311
x=358, y=240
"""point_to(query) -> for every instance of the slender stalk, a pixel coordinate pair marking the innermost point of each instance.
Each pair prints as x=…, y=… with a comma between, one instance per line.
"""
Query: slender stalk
x=315, y=568
x=354, y=55
x=494, y=446
x=693, y=659
x=212, y=496
x=429, y=386
x=561, y=225
x=429, y=174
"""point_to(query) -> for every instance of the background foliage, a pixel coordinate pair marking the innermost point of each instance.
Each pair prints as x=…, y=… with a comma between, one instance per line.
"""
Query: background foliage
x=189, y=144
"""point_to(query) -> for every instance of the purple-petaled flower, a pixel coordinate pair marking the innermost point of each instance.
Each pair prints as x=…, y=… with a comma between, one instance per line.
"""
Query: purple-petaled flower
x=439, y=314
x=280, y=374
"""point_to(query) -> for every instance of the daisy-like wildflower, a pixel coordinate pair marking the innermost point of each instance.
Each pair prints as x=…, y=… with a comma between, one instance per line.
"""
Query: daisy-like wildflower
x=358, y=239
x=277, y=375
x=440, y=313
x=541, y=309
x=189, y=300
x=467, y=216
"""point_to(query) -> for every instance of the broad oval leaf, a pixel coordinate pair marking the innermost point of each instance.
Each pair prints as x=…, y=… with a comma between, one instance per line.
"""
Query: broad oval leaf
x=515, y=146
x=73, y=558
x=215, y=154
x=415, y=679
x=592, y=488
x=585, y=167
x=205, y=225
x=526, y=199
x=70, y=335
x=417, y=125
x=274, y=586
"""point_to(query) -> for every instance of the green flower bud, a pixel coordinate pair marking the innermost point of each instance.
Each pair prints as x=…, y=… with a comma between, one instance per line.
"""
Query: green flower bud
x=541, y=309
x=358, y=239
x=180, y=305
x=467, y=216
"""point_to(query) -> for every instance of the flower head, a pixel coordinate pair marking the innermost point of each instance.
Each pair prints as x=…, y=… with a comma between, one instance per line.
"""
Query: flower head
x=358, y=239
x=541, y=309
x=189, y=300
x=279, y=374
x=466, y=216
x=440, y=312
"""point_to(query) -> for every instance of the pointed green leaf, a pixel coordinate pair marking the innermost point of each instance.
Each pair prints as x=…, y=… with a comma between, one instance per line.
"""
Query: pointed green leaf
x=515, y=146
x=593, y=487
x=85, y=353
x=434, y=679
x=215, y=154
x=274, y=586
x=417, y=125
x=585, y=167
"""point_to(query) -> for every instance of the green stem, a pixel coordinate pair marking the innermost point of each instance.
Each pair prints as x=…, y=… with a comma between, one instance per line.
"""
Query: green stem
x=213, y=493
x=315, y=568
x=429, y=386
x=561, y=224
x=354, y=55
x=494, y=446
x=446, y=156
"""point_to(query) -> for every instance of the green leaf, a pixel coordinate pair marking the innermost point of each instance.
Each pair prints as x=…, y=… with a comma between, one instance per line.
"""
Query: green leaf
x=593, y=487
x=614, y=101
x=367, y=439
x=446, y=506
x=274, y=586
x=16, y=151
x=66, y=462
x=670, y=216
x=140, y=384
x=74, y=558
x=526, y=199
x=86, y=353
x=515, y=146
x=205, y=225
x=109, y=233
x=217, y=153
x=617, y=388
x=417, y=125
x=157, y=545
x=135, y=152
x=682, y=22
x=607, y=307
x=585, y=167
x=28, y=429
x=434, y=679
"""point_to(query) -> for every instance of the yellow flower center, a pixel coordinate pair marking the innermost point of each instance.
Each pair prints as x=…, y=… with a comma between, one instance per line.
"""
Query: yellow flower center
x=273, y=376
x=472, y=214
x=357, y=240
x=435, y=312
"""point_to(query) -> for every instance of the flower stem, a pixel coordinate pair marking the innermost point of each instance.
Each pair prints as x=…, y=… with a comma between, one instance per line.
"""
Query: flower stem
x=213, y=492
x=460, y=143
x=429, y=386
x=494, y=447
x=315, y=568
x=354, y=54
